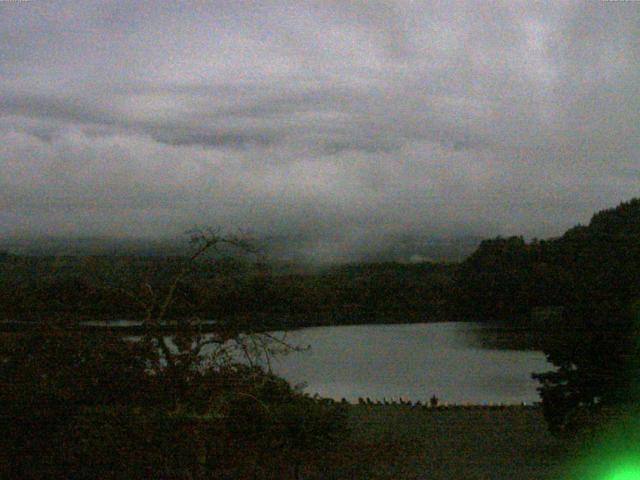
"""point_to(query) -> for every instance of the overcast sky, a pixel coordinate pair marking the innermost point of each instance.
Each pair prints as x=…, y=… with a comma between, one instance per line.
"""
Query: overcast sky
x=338, y=124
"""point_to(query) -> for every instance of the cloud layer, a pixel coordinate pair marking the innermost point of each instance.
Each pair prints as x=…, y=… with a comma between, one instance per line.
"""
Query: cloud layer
x=339, y=125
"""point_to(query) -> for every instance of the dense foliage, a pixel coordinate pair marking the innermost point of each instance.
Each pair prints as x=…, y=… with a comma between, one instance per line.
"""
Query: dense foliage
x=588, y=284
x=505, y=279
x=104, y=407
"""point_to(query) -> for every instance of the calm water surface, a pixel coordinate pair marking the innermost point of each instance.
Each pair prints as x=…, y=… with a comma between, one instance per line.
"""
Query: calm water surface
x=411, y=361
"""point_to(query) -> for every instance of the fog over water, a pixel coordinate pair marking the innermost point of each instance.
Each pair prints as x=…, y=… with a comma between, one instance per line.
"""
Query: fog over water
x=336, y=128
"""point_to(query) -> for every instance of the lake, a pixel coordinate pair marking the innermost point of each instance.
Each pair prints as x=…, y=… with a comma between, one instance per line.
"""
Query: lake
x=459, y=362
x=413, y=361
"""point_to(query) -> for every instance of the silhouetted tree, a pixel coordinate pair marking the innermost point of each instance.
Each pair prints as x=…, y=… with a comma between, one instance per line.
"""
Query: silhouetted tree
x=164, y=405
x=595, y=347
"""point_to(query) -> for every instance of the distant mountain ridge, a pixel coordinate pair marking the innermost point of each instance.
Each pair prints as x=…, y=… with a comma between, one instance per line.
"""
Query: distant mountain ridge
x=278, y=249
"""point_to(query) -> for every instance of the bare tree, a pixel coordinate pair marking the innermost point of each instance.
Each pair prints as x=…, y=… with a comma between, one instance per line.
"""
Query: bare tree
x=187, y=344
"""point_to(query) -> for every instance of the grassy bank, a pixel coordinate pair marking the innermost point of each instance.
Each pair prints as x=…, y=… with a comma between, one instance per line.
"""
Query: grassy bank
x=400, y=442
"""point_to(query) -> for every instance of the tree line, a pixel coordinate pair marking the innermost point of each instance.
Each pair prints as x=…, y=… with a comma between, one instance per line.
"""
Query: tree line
x=582, y=290
x=92, y=287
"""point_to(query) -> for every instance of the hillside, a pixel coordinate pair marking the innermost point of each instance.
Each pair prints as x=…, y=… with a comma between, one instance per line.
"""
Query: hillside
x=507, y=278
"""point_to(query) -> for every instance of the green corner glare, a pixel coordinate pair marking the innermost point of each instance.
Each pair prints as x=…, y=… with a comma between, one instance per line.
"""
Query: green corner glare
x=625, y=473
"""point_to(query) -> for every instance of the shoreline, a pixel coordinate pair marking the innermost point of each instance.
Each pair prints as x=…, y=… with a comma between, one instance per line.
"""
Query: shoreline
x=443, y=407
x=259, y=322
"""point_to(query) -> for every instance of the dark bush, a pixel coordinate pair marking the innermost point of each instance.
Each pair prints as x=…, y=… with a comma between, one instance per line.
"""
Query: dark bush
x=92, y=406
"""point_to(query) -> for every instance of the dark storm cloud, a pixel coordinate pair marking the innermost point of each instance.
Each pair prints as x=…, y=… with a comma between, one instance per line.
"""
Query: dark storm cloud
x=45, y=107
x=214, y=139
x=338, y=124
